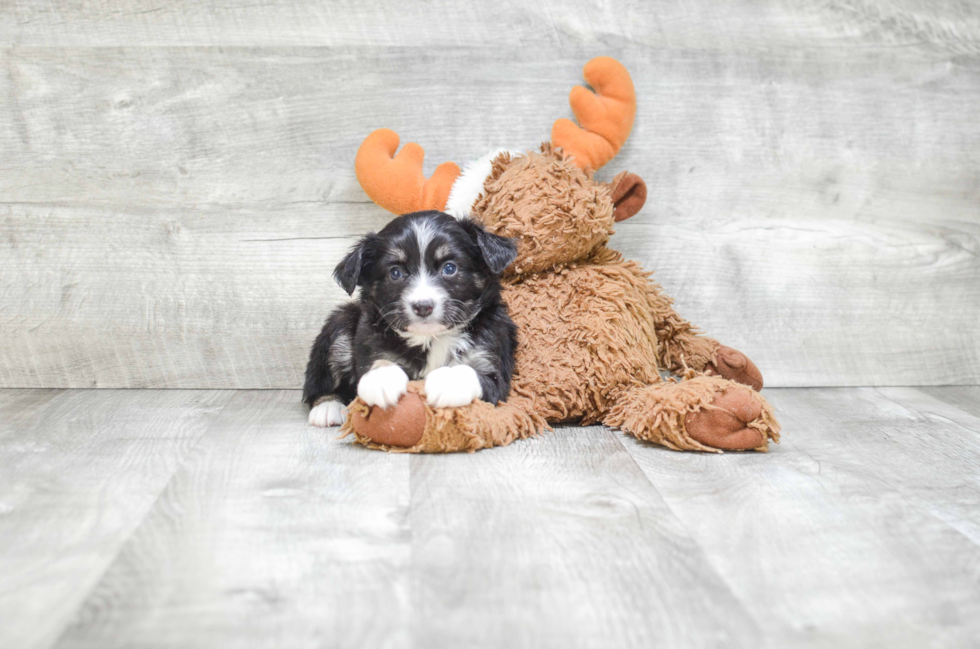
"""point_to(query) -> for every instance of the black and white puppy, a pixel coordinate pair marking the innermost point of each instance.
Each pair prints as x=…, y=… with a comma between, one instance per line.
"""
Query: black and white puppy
x=429, y=307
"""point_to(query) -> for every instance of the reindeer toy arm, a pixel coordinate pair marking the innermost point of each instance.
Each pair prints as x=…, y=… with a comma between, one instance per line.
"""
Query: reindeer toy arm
x=594, y=329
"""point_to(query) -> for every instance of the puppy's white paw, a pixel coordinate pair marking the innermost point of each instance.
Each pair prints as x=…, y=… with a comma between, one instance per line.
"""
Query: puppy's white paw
x=328, y=413
x=383, y=386
x=452, y=387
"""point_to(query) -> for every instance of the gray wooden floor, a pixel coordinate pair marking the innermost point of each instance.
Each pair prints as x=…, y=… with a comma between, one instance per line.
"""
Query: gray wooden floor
x=178, y=518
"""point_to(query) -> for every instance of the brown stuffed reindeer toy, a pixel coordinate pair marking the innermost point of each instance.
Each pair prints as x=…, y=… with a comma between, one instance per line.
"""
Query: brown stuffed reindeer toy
x=594, y=329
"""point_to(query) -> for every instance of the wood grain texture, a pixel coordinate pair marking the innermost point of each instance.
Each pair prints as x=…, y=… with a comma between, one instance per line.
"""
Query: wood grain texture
x=965, y=397
x=219, y=519
x=834, y=534
x=273, y=534
x=813, y=170
x=80, y=470
x=706, y=24
x=559, y=542
x=167, y=298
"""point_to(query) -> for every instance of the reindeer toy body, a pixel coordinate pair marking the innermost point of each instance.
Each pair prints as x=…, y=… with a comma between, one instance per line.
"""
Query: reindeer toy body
x=594, y=329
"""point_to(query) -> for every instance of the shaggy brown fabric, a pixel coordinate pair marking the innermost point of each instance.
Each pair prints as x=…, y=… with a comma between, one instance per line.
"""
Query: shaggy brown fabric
x=682, y=346
x=591, y=337
x=553, y=208
x=472, y=428
x=659, y=413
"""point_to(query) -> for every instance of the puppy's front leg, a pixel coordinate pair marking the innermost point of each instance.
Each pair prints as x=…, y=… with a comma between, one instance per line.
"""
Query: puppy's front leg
x=452, y=387
x=383, y=385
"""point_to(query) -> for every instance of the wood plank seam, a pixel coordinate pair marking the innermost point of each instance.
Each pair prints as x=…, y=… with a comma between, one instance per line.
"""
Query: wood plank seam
x=83, y=601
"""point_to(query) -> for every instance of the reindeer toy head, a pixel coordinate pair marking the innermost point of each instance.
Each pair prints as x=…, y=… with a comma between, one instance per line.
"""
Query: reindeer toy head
x=567, y=215
x=594, y=330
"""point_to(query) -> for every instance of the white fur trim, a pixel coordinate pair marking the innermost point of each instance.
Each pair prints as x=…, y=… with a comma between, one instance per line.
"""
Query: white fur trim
x=469, y=185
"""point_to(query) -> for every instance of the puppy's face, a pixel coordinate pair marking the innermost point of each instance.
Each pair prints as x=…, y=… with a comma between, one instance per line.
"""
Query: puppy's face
x=426, y=272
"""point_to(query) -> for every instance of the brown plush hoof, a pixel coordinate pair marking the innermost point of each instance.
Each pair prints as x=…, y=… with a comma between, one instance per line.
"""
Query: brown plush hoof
x=402, y=425
x=724, y=425
x=735, y=366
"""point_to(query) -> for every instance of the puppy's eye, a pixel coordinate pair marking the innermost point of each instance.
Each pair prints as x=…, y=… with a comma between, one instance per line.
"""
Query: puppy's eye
x=449, y=268
x=395, y=273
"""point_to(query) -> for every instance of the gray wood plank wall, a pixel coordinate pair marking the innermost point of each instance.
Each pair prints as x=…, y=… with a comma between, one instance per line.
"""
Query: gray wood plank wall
x=176, y=182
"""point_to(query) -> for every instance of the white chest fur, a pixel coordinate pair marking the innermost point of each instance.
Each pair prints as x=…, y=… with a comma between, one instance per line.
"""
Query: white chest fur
x=441, y=350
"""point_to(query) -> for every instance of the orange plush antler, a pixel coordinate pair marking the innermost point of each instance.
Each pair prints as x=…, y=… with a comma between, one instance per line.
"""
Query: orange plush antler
x=606, y=116
x=396, y=182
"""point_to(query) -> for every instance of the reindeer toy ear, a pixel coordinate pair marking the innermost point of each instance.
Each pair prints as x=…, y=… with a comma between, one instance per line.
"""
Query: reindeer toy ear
x=396, y=182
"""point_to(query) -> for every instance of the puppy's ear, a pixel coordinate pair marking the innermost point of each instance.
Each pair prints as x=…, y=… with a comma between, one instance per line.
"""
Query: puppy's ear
x=358, y=262
x=498, y=252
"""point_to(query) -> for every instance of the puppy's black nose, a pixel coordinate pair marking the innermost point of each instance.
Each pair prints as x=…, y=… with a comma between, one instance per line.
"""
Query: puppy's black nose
x=422, y=308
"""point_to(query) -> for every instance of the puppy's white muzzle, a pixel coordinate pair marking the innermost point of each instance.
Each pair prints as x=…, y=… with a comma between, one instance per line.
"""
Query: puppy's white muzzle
x=424, y=305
